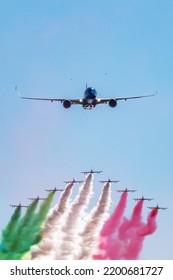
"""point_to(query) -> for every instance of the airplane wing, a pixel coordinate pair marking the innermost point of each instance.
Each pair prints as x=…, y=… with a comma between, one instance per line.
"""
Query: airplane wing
x=73, y=101
x=106, y=100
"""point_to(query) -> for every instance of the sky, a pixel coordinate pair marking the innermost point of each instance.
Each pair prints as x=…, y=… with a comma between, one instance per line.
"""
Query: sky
x=122, y=48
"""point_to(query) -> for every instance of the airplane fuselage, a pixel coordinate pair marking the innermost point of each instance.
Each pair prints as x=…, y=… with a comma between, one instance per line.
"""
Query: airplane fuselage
x=89, y=101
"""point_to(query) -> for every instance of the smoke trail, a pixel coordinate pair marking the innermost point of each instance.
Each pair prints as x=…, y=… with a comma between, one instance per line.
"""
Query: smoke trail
x=7, y=234
x=109, y=230
x=28, y=217
x=114, y=220
x=31, y=233
x=126, y=233
x=52, y=225
x=69, y=246
x=135, y=244
x=91, y=230
x=134, y=221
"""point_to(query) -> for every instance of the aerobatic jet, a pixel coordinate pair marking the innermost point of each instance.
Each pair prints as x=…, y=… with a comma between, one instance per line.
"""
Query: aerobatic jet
x=157, y=207
x=92, y=171
x=36, y=198
x=109, y=181
x=89, y=100
x=143, y=198
x=55, y=190
x=126, y=190
x=19, y=205
x=73, y=181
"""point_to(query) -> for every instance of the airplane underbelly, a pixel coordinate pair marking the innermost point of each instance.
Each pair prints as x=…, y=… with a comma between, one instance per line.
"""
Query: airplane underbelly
x=89, y=104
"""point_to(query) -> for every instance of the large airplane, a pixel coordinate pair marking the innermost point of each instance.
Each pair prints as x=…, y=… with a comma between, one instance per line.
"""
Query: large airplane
x=19, y=205
x=109, y=181
x=126, y=190
x=143, y=198
x=91, y=171
x=36, y=198
x=73, y=181
x=55, y=190
x=157, y=207
x=89, y=100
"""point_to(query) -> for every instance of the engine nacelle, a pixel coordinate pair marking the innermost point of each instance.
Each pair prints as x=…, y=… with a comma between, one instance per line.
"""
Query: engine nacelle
x=112, y=103
x=67, y=104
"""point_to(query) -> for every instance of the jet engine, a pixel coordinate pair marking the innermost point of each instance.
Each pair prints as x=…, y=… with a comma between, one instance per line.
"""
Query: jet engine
x=112, y=103
x=67, y=104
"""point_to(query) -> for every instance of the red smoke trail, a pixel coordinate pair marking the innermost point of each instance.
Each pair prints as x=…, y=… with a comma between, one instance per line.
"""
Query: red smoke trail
x=114, y=220
x=125, y=240
x=109, y=229
x=137, y=237
x=131, y=224
x=130, y=245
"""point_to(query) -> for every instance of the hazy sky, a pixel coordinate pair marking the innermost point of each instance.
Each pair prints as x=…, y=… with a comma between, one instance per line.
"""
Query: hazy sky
x=122, y=48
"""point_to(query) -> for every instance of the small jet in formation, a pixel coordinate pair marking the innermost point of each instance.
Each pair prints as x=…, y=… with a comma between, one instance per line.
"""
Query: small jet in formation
x=73, y=181
x=19, y=205
x=109, y=181
x=55, y=190
x=143, y=198
x=36, y=198
x=157, y=207
x=126, y=190
x=89, y=100
x=91, y=171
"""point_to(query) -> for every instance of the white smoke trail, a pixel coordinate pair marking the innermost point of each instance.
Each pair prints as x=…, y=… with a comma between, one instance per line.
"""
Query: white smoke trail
x=94, y=223
x=69, y=246
x=52, y=226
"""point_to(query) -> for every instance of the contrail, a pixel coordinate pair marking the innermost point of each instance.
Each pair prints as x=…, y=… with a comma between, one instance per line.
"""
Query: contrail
x=52, y=225
x=109, y=230
x=70, y=242
x=94, y=222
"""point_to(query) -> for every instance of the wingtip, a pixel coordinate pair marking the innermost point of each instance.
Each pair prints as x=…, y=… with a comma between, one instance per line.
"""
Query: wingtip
x=16, y=90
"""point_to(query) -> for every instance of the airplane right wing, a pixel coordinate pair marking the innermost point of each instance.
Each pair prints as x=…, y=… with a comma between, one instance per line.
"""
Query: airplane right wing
x=73, y=101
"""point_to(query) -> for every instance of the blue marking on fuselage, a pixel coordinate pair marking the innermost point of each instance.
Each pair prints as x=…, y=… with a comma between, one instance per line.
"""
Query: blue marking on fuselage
x=90, y=93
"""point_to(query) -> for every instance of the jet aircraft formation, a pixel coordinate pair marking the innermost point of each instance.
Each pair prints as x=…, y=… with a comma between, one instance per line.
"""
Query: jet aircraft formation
x=81, y=181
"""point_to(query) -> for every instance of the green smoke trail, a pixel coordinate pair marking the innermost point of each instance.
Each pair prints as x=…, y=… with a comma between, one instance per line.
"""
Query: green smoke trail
x=7, y=234
x=29, y=216
x=20, y=233
x=41, y=217
x=29, y=230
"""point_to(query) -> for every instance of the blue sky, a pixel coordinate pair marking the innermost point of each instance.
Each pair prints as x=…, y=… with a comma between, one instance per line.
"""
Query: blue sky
x=122, y=48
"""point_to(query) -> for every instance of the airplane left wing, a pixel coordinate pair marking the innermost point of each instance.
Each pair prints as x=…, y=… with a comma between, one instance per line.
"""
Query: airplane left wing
x=106, y=100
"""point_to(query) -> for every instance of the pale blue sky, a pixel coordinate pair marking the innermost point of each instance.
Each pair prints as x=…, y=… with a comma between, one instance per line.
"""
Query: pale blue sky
x=51, y=49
